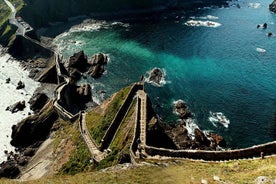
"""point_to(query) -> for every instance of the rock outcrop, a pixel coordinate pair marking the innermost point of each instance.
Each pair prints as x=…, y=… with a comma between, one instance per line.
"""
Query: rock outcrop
x=156, y=76
x=18, y=106
x=38, y=101
x=97, y=63
x=20, y=85
x=272, y=6
x=78, y=61
x=34, y=128
x=181, y=109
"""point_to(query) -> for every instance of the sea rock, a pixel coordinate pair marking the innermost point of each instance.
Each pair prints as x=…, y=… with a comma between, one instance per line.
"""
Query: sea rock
x=18, y=106
x=84, y=92
x=97, y=63
x=181, y=109
x=8, y=80
x=75, y=74
x=156, y=75
x=9, y=169
x=218, y=140
x=201, y=138
x=20, y=85
x=78, y=61
x=34, y=128
x=38, y=101
x=272, y=6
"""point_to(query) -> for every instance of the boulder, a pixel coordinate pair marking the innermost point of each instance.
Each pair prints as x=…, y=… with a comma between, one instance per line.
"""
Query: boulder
x=9, y=169
x=201, y=138
x=38, y=101
x=18, y=106
x=272, y=6
x=34, y=128
x=20, y=85
x=218, y=140
x=78, y=61
x=156, y=76
x=84, y=92
x=181, y=109
x=97, y=63
x=8, y=80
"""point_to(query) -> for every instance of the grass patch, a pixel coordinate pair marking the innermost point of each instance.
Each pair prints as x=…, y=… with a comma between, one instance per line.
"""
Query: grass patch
x=120, y=146
x=174, y=171
x=98, y=122
x=79, y=160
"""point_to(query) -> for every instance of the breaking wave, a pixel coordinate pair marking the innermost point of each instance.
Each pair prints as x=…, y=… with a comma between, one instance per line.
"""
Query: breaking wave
x=197, y=23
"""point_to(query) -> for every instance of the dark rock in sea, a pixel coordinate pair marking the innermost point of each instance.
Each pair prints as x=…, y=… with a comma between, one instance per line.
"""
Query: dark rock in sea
x=34, y=128
x=269, y=34
x=156, y=75
x=9, y=169
x=8, y=80
x=218, y=140
x=75, y=74
x=265, y=25
x=20, y=85
x=84, y=93
x=201, y=138
x=78, y=61
x=272, y=6
x=181, y=109
x=38, y=101
x=97, y=63
x=18, y=106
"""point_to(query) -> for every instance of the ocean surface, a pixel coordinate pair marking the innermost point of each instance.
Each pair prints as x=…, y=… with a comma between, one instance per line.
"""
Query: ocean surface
x=215, y=59
x=10, y=68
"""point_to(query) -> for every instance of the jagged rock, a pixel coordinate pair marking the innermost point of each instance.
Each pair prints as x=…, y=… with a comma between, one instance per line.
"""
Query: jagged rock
x=156, y=76
x=20, y=85
x=22, y=161
x=29, y=152
x=84, y=92
x=218, y=140
x=201, y=138
x=181, y=109
x=78, y=61
x=272, y=6
x=18, y=106
x=8, y=80
x=97, y=63
x=34, y=128
x=9, y=169
x=75, y=74
x=38, y=101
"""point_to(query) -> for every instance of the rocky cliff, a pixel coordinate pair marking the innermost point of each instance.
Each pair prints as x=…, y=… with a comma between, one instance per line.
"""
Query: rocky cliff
x=41, y=12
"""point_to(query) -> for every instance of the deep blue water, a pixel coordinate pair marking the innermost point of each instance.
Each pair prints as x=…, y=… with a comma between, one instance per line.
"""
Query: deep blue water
x=212, y=69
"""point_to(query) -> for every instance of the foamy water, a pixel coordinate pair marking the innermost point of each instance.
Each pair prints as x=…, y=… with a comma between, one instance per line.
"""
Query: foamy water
x=10, y=68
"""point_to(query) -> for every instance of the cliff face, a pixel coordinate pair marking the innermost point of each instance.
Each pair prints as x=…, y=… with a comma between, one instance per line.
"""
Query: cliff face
x=40, y=12
x=272, y=6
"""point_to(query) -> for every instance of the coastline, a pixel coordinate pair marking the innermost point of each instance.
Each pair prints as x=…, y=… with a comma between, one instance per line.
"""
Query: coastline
x=10, y=68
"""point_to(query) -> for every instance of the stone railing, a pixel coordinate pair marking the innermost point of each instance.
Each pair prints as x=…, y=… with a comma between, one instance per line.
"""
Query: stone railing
x=251, y=152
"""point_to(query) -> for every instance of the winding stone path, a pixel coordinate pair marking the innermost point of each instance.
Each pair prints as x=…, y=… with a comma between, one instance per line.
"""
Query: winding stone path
x=97, y=155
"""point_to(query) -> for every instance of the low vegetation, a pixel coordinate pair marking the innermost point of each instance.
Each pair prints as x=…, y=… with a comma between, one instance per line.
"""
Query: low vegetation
x=99, y=120
x=120, y=146
x=79, y=159
x=174, y=171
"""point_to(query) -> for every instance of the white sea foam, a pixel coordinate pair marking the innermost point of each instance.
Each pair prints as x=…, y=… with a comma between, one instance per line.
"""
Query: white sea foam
x=218, y=117
x=197, y=23
x=261, y=50
x=9, y=95
x=207, y=17
x=191, y=125
x=254, y=5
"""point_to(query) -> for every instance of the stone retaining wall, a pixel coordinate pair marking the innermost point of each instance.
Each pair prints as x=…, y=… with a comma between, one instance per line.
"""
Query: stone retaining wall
x=251, y=152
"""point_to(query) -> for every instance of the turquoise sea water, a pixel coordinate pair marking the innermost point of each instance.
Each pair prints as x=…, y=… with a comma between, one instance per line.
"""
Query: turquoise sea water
x=212, y=69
